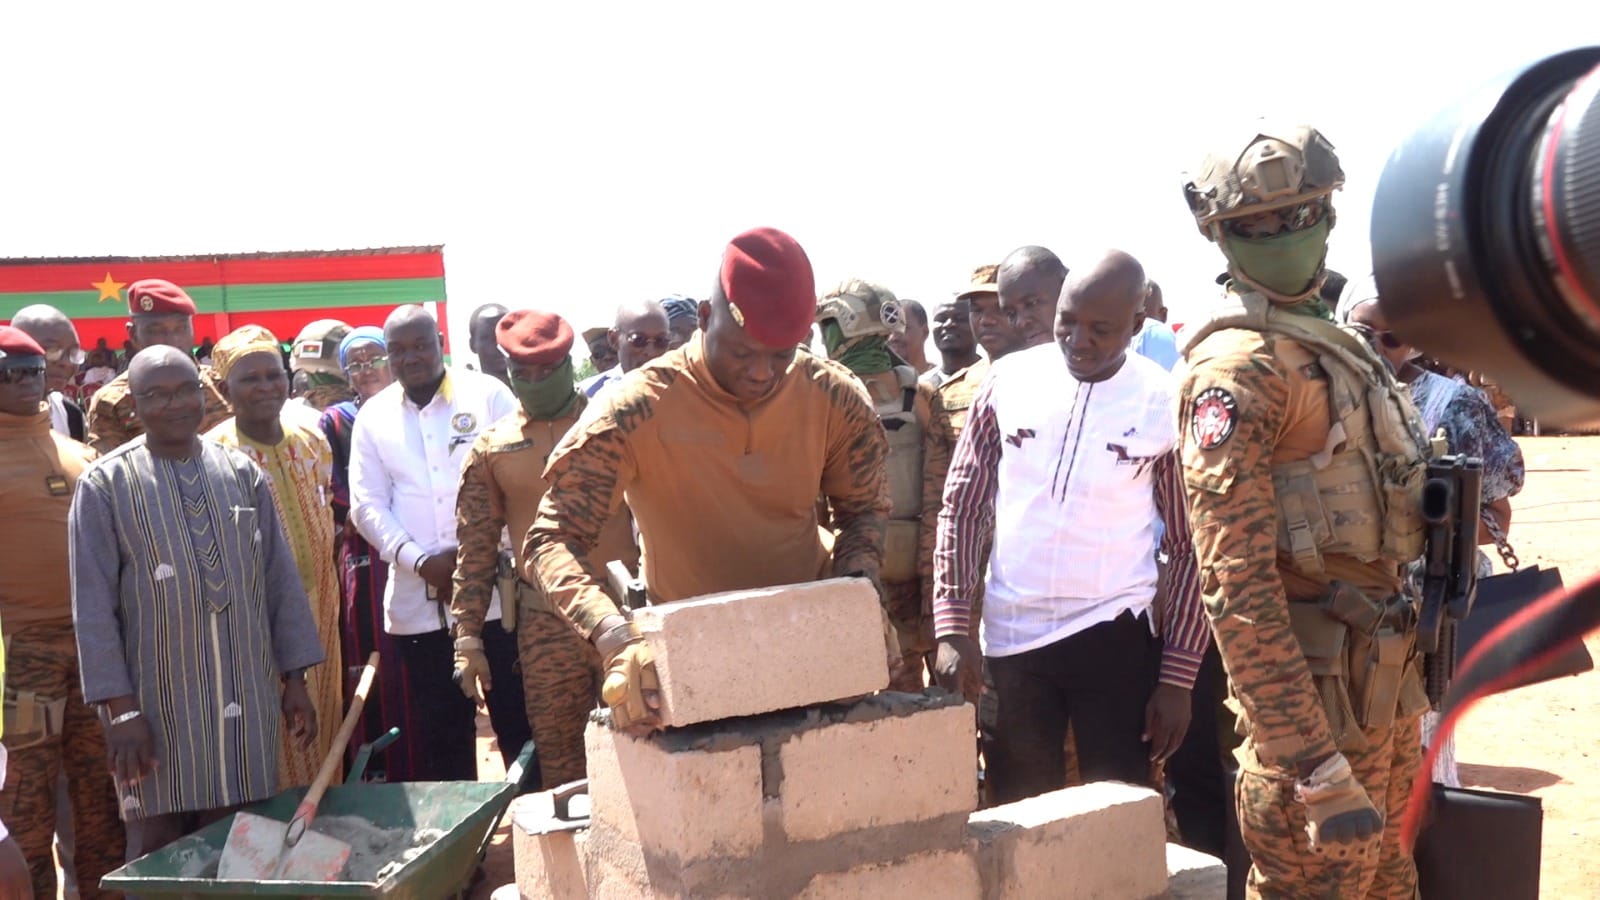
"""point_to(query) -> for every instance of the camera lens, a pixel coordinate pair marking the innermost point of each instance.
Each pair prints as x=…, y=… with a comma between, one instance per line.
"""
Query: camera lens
x=1486, y=236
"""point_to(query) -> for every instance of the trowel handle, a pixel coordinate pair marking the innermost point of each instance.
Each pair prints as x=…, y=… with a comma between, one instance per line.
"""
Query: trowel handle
x=307, y=810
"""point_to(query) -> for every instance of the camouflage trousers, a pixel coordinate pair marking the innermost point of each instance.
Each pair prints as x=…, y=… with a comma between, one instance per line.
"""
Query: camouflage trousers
x=560, y=686
x=44, y=659
x=914, y=628
x=1273, y=824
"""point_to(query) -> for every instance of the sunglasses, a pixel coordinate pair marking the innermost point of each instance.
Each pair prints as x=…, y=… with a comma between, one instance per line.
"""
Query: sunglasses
x=640, y=341
x=19, y=374
x=74, y=355
x=1386, y=338
x=373, y=365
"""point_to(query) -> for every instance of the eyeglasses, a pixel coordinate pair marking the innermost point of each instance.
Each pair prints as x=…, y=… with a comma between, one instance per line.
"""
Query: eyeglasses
x=19, y=374
x=74, y=355
x=1386, y=338
x=371, y=365
x=163, y=399
x=1277, y=221
x=640, y=341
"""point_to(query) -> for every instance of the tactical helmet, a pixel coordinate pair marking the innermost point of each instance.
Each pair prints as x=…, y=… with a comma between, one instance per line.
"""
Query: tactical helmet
x=1279, y=167
x=316, y=348
x=862, y=308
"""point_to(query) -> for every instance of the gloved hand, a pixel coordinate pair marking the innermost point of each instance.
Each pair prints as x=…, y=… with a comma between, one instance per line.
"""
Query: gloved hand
x=1340, y=817
x=472, y=669
x=633, y=690
x=631, y=687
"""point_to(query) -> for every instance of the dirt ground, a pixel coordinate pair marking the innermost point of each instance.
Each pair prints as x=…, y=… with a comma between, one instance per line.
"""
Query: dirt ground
x=1539, y=740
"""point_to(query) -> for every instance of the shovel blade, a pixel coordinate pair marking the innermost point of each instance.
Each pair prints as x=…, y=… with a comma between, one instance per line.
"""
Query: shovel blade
x=255, y=851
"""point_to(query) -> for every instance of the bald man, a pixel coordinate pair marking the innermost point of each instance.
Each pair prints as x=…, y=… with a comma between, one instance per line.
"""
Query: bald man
x=1030, y=282
x=1058, y=437
x=641, y=333
x=190, y=616
x=53, y=331
x=1156, y=340
x=480, y=340
x=911, y=345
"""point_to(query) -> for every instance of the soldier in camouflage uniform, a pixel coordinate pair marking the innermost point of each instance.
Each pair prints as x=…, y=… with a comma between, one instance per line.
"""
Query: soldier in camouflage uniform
x=722, y=448
x=1303, y=462
x=502, y=482
x=160, y=313
x=857, y=319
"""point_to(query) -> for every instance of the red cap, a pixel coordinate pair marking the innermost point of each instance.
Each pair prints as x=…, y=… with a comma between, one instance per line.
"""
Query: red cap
x=768, y=282
x=530, y=337
x=156, y=297
x=16, y=342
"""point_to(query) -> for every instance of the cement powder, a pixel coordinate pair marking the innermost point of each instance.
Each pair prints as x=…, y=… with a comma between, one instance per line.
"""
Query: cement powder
x=198, y=861
x=375, y=852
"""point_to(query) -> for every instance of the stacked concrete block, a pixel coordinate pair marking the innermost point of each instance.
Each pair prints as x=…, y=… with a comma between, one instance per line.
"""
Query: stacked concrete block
x=788, y=772
x=1099, y=840
x=1192, y=875
x=744, y=653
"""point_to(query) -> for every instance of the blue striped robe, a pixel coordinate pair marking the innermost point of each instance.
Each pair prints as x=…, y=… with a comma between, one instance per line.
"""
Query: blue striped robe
x=185, y=595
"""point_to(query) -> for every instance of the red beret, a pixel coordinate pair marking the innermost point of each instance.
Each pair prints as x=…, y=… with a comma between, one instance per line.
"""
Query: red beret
x=767, y=280
x=533, y=338
x=155, y=297
x=16, y=342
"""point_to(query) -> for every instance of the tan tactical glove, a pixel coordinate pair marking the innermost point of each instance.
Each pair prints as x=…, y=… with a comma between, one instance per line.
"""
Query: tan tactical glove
x=631, y=687
x=471, y=669
x=1340, y=818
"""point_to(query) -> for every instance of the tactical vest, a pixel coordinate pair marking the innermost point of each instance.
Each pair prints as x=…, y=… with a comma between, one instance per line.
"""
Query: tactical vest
x=899, y=417
x=1361, y=496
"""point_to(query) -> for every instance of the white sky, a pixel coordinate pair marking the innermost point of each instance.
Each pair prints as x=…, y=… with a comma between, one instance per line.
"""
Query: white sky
x=574, y=155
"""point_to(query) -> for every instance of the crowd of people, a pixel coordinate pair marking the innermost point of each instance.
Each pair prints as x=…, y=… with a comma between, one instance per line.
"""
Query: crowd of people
x=1096, y=542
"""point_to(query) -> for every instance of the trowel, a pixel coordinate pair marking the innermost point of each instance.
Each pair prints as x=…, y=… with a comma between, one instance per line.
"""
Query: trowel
x=264, y=849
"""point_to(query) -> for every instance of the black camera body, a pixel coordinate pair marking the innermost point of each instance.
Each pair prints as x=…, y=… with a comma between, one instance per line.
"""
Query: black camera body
x=1486, y=236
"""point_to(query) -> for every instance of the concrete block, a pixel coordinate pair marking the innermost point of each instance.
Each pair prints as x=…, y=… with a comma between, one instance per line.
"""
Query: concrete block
x=548, y=867
x=1192, y=875
x=949, y=875
x=1102, y=840
x=679, y=805
x=886, y=771
x=748, y=652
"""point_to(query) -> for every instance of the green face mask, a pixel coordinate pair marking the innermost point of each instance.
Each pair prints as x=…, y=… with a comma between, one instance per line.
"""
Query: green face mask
x=549, y=397
x=867, y=356
x=1282, y=263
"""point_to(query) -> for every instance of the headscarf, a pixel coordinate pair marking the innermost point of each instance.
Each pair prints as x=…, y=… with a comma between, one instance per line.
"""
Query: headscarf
x=242, y=342
x=680, y=308
x=366, y=334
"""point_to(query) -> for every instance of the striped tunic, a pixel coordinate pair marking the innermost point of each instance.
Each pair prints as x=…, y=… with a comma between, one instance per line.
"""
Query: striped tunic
x=299, y=470
x=185, y=595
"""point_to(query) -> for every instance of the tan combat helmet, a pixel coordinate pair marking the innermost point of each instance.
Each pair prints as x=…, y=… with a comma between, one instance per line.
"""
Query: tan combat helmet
x=316, y=348
x=1279, y=167
x=862, y=309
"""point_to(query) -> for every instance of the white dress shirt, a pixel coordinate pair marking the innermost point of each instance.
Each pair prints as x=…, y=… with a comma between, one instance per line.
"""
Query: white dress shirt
x=1075, y=509
x=405, y=470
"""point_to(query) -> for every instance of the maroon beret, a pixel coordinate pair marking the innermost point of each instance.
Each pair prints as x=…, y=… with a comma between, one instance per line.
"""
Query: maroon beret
x=768, y=282
x=530, y=337
x=156, y=297
x=14, y=342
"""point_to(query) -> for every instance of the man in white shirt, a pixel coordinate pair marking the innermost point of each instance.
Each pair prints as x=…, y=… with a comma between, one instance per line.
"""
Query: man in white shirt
x=405, y=467
x=1066, y=464
x=1156, y=340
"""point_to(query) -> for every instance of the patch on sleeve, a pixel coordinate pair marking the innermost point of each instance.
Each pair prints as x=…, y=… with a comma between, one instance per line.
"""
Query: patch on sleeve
x=1213, y=419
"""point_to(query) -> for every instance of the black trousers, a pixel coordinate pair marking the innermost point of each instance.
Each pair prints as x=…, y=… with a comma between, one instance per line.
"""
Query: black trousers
x=1100, y=681
x=507, y=713
x=1196, y=772
x=449, y=743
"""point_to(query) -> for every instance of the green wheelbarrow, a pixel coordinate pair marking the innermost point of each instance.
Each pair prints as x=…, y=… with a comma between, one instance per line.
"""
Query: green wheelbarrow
x=458, y=816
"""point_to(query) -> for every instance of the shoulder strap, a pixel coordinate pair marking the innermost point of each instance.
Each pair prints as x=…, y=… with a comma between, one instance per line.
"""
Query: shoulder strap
x=908, y=387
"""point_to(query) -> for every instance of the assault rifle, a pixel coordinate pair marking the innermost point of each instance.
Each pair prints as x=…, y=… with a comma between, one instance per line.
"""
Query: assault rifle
x=1452, y=499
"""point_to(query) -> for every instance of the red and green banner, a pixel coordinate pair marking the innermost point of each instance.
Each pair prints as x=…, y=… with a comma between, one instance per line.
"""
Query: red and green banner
x=280, y=291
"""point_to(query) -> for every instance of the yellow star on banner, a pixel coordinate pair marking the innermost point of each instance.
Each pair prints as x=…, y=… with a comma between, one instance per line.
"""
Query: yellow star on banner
x=109, y=290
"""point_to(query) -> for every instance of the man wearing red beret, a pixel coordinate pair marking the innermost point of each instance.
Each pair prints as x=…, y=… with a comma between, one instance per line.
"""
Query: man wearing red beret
x=49, y=729
x=502, y=482
x=160, y=313
x=722, y=446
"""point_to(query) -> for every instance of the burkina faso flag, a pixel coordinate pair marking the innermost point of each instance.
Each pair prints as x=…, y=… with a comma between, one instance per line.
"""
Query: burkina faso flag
x=279, y=291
